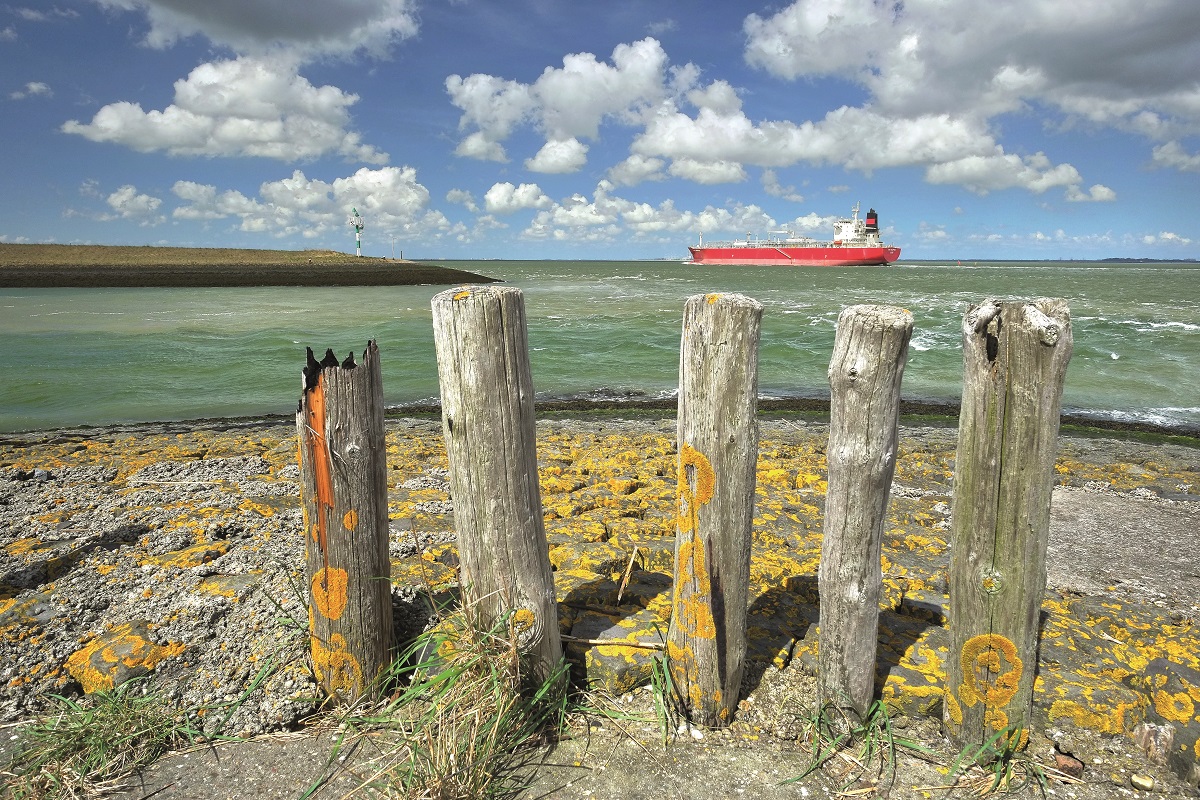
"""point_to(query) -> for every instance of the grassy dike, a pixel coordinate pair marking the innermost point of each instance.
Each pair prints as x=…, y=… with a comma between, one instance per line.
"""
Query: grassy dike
x=88, y=266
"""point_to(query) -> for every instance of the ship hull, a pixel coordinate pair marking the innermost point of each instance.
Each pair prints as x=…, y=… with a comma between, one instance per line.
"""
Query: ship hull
x=828, y=256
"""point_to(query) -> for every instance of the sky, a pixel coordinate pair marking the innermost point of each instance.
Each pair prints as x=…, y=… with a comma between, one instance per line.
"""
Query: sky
x=610, y=129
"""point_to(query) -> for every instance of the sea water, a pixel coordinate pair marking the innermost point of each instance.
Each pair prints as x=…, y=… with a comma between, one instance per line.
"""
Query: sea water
x=597, y=329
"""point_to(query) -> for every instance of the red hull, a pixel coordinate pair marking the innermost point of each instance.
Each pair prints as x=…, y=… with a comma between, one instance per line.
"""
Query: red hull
x=796, y=256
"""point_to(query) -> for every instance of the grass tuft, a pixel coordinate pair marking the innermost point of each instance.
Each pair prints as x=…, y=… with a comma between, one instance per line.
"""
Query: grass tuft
x=465, y=719
x=855, y=751
x=998, y=766
x=87, y=748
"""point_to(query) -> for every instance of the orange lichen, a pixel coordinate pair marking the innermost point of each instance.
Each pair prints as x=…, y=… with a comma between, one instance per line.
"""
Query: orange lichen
x=350, y=520
x=463, y=295
x=95, y=665
x=335, y=667
x=329, y=591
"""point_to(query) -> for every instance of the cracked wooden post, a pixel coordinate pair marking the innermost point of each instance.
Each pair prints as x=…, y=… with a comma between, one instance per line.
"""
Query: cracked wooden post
x=718, y=453
x=869, y=353
x=343, y=481
x=488, y=424
x=1015, y=359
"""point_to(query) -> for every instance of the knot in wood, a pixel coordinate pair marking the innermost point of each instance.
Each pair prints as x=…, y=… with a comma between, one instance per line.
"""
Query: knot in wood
x=991, y=582
x=526, y=626
x=353, y=451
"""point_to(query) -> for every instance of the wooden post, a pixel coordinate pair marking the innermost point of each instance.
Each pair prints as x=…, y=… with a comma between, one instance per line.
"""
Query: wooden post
x=488, y=423
x=869, y=354
x=718, y=453
x=343, y=479
x=1015, y=359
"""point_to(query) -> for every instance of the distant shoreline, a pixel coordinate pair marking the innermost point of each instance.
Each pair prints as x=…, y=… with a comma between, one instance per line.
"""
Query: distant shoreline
x=30, y=266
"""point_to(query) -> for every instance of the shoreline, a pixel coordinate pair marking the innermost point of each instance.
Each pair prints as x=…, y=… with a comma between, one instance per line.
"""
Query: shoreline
x=912, y=413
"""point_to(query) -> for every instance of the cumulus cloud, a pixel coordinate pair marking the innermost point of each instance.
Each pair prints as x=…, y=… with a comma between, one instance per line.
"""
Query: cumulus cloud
x=772, y=186
x=504, y=198
x=968, y=62
x=566, y=104
x=636, y=169
x=1099, y=193
x=389, y=199
x=559, y=157
x=302, y=30
x=1174, y=156
x=1166, y=237
x=463, y=198
x=243, y=107
x=128, y=203
x=606, y=216
x=32, y=89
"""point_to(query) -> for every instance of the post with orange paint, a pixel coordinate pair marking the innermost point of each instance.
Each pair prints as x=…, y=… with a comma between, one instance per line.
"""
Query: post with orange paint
x=865, y=372
x=479, y=334
x=1015, y=357
x=343, y=476
x=718, y=453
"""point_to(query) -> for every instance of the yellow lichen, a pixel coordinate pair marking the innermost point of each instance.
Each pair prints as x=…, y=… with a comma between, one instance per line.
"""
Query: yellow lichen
x=1174, y=706
x=329, y=591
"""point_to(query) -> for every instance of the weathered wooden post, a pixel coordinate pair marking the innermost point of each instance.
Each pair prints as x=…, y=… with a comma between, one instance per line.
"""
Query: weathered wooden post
x=1015, y=359
x=865, y=372
x=718, y=452
x=488, y=423
x=343, y=479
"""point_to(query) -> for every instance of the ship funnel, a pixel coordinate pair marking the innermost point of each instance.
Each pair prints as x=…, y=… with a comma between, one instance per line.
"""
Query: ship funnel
x=872, y=222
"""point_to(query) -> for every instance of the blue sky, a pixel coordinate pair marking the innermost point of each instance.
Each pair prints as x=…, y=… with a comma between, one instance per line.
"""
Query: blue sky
x=613, y=129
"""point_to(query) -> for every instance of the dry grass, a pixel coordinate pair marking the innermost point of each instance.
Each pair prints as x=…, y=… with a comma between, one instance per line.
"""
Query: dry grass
x=466, y=721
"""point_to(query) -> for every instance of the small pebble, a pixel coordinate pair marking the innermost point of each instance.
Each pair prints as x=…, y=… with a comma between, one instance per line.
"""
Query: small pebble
x=1143, y=782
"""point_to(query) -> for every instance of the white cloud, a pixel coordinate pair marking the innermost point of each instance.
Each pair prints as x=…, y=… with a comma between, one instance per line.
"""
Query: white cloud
x=129, y=204
x=559, y=157
x=1099, y=193
x=504, y=198
x=1166, y=237
x=926, y=64
x=8, y=34
x=32, y=89
x=494, y=106
x=605, y=217
x=244, y=107
x=390, y=199
x=464, y=198
x=566, y=104
x=772, y=186
x=707, y=172
x=1173, y=155
x=635, y=170
x=302, y=30
x=984, y=174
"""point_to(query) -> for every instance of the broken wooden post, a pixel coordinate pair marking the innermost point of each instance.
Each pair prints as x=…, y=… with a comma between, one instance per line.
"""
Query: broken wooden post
x=1015, y=359
x=343, y=480
x=718, y=453
x=869, y=353
x=488, y=424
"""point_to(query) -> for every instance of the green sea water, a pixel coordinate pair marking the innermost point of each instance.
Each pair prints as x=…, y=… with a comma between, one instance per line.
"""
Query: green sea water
x=596, y=330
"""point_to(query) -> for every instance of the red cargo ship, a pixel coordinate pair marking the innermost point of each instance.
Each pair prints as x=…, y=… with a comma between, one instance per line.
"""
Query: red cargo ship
x=855, y=242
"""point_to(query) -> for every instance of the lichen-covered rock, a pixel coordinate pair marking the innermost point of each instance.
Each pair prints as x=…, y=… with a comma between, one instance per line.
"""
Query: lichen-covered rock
x=121, y=653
